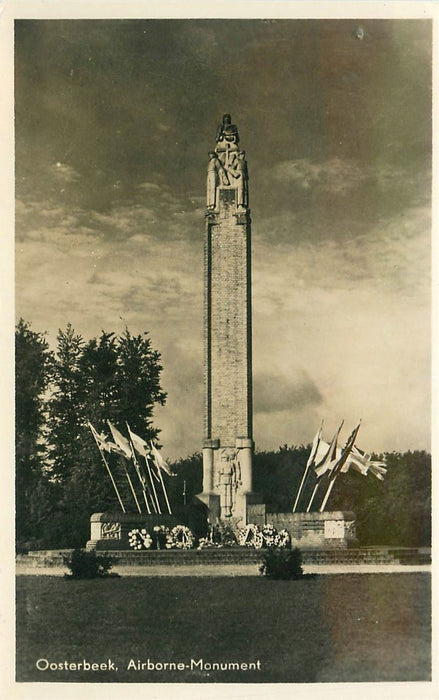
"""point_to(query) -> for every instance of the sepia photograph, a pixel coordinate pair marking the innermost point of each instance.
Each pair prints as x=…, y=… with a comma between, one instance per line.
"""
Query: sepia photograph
x=222, y=309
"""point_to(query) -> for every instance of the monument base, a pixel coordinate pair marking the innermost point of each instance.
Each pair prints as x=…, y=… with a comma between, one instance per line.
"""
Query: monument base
x=331, y=529
x=244, y=502
x=109, y=531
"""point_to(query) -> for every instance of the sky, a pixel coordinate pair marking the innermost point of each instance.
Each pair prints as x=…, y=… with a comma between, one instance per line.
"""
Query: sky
x=113, y=123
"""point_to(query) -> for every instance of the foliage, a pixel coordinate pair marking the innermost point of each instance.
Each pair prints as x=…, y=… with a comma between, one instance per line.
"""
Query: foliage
x=109, y=377
x=277, y=475
x=282, y=564
x=396, y=511
x=83, y=564
x=32, y=375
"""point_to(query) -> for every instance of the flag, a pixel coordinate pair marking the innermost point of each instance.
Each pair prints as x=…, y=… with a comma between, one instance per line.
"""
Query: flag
x=363, y=463
x=315, y=445
x=120, y=441
x=326, y=459
x=346, y=451
x=358, y=460
x=104, y=443
x=377, y=470
x=140, y=445
x=158, y=460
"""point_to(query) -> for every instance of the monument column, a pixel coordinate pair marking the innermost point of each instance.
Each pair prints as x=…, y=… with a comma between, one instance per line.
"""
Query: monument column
x=228, y=439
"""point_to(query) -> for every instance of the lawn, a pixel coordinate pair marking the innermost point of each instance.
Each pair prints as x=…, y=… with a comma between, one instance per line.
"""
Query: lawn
x=361, y=627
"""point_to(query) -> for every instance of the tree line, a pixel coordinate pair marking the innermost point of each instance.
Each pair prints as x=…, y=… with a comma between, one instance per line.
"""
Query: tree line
x=60, y=478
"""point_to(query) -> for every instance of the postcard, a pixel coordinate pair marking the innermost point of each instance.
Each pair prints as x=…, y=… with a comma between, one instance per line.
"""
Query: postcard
x=220, y=280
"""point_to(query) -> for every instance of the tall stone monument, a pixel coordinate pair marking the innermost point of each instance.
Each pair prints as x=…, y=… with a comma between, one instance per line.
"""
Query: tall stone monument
x=228, y=440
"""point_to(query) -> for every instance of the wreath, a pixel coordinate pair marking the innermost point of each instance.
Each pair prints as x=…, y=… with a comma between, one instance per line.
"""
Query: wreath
x=269, y=533
x=251, y=536
x=282, y=539
x=139, y=539
x=181, y=538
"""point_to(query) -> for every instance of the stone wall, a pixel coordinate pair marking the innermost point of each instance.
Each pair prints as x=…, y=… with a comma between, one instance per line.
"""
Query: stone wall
x=110, y=530
x=328, y=529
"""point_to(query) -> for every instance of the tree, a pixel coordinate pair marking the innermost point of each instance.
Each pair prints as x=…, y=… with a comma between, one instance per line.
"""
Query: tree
x=114, y=378
x=138, y=384
x=65, y=405
x=33, y=361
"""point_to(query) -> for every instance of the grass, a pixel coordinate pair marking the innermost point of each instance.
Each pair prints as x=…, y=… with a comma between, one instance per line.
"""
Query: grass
x=361, y=627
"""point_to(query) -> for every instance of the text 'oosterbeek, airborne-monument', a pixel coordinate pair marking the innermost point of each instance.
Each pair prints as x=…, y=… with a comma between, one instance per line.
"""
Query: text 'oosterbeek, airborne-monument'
x=228, y=439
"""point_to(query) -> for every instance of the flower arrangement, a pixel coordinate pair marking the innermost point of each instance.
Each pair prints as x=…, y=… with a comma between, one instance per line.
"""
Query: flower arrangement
x=181, y=538
x=282, y=539
x=207, y=543
x=269, y=534
x=251, y=536
x=139, y=539
x=161, y=537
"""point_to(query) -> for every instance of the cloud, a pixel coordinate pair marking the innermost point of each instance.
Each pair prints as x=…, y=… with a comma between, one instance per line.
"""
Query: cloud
x=65, y=172
x=149, y=187
x=335, y=175
x=393, y=256
x=274, y=393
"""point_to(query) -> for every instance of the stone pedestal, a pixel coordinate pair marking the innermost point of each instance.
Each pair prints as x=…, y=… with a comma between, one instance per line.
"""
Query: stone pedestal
x=109, y=531
x=331, y=529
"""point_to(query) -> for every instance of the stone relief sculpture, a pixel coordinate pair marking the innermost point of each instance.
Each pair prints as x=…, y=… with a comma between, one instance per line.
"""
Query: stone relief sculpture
x=229, y=479
x=111, y=531
x=227, y=166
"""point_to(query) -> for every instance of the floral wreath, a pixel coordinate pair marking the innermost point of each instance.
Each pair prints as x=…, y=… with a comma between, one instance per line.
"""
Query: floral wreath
x=181, y=538
x=139, y=539
x=282, y=539
x=269, y=533
x=251, y=536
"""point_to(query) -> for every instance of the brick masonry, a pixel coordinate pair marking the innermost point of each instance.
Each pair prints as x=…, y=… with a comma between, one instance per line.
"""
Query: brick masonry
x=228, y=408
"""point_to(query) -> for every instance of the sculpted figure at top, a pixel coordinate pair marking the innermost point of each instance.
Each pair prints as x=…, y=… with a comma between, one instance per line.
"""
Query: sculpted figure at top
x=227, y=132
x=227, y=166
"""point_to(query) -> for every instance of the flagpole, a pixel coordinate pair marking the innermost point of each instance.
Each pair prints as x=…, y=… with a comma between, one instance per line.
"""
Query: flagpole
x=108, y=469
x=159, y=469
x=306, y=472
x=153, y=485
x=132, y=488
x=328, y=491
x=142, y=478
x=127, y=474
x=344, y=455
x=312, y=497
x=164, y=491
x=136, y=466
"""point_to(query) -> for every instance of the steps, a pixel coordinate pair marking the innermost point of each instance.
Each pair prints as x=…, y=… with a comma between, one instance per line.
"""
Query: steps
x=238, y=555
